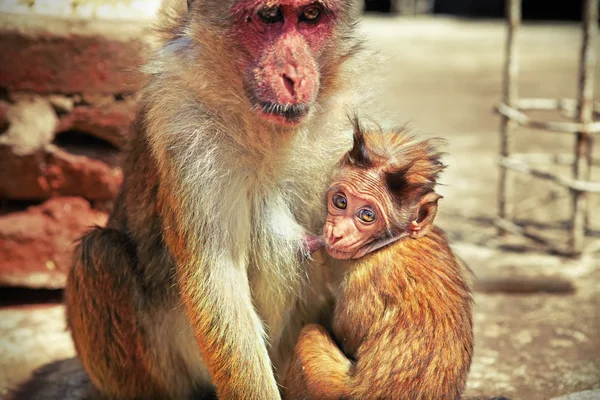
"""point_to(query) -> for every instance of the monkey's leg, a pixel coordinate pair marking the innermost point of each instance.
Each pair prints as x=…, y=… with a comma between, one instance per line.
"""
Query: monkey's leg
x=114, y=333
x=319, y=369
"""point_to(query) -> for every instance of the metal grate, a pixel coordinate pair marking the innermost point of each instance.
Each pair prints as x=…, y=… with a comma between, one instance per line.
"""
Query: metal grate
x=582, y=127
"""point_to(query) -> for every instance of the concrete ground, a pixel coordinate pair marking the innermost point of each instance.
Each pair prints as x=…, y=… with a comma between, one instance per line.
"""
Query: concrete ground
x=536, y=315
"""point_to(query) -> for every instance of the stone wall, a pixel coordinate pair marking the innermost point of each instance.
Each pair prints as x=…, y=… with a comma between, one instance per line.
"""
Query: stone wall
x=66, y=105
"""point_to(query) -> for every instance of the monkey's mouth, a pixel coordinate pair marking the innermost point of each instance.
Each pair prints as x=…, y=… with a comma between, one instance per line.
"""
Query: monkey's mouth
x=287, y=114
x=339, y=254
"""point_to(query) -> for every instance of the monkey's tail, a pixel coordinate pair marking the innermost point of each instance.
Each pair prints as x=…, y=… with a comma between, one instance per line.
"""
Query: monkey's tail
x=59, y=380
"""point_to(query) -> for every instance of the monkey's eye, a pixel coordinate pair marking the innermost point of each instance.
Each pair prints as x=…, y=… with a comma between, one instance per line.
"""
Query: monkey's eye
x=366, y=215
x=270, y=15
x=339, y=201
x=311, y=14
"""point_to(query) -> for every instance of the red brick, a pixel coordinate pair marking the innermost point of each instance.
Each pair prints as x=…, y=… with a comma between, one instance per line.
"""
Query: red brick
x=111, y=123
x=54, y=172
x=49, y=55
x=36, y=245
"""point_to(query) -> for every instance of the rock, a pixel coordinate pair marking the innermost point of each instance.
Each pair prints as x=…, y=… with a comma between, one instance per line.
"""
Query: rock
x=54, y=172
x=585, y=395
x=97, y=99
x=32, y=168
x=36, y=244
x=32, y=336
x=4, y=124
x=62, y=104
x=110, y=122
x=122, y=10
x=69, y=56
x=36, y=164
x=30, y=124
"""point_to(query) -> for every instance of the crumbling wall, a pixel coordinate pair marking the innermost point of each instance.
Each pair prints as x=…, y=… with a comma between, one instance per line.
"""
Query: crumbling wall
x=66, y=106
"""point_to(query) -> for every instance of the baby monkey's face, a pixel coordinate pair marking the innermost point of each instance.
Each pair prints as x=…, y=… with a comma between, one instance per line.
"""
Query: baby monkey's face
x=353, y=221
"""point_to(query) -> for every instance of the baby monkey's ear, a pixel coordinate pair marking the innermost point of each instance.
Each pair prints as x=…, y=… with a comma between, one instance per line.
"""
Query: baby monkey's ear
x=426, y=212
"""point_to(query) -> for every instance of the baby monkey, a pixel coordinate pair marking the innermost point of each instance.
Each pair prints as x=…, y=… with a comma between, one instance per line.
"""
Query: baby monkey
x=402, y=324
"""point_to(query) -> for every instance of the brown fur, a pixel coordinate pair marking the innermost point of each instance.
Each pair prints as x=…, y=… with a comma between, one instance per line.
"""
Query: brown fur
x=402, y=324
x=194, y=286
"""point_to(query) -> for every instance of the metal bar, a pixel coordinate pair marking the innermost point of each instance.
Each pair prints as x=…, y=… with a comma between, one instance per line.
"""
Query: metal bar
x=549, y=158
x=546, y=244
x=573, y=184
x=510, y=98
x=568, y=106
x=583, y=145
x=557, y=126
x=518, y=230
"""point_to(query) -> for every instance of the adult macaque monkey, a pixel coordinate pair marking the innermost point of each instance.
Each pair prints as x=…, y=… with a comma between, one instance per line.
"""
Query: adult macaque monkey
x=402, y=317
x=195, y=282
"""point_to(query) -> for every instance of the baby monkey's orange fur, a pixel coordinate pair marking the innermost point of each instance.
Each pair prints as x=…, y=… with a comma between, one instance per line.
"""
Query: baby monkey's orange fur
x=402, y=324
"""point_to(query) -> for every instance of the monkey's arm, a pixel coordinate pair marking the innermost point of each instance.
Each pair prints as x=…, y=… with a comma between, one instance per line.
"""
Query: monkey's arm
x=383, y=367
x=319, y=370
x=214, y=286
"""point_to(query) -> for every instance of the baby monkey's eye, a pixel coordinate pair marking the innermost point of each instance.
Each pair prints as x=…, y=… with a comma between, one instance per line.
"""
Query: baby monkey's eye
x=366, y=215
x=339, y=201
x=311, y=14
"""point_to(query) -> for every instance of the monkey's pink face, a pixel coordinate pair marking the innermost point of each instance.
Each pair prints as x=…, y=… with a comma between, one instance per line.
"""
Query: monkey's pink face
x=283, y=41
x=352, y=222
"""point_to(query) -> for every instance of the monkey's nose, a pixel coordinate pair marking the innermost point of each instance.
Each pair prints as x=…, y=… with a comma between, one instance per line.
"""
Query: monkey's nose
x=289, y=84
x=335, y=236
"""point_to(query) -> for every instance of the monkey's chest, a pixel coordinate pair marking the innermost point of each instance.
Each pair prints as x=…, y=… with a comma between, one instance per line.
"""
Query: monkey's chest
x=273, y=259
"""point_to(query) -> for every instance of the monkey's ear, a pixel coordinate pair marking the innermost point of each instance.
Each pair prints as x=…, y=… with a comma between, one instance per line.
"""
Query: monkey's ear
x=426, y=212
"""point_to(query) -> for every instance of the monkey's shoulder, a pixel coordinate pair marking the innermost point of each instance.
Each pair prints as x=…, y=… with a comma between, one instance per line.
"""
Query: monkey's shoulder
x=406, y=268
x=431, y=251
